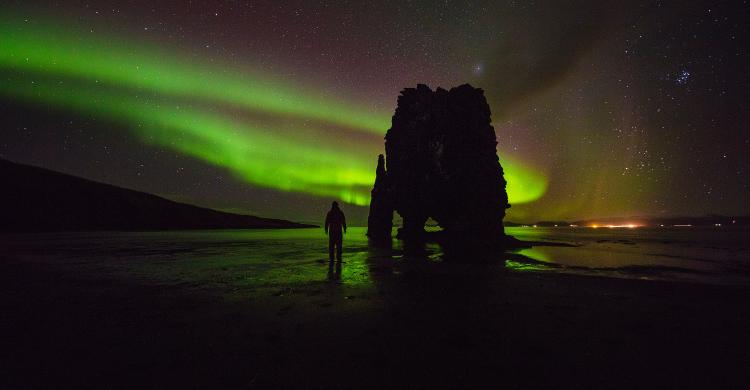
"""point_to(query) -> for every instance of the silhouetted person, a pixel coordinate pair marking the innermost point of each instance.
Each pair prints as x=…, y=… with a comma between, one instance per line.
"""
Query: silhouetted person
x=335, y=227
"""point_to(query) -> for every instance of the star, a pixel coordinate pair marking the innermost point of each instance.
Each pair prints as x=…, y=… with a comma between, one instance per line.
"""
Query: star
x=478, y=69
x=683, y=77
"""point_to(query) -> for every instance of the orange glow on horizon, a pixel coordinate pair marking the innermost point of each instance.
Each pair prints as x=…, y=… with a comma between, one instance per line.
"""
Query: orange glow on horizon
x=628, y=225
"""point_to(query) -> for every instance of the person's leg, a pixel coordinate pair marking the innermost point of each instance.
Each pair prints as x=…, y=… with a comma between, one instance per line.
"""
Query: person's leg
x=339, y=243
x=331, y=244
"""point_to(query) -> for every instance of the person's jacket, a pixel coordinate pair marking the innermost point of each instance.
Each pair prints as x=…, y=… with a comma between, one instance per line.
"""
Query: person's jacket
x=335, y=221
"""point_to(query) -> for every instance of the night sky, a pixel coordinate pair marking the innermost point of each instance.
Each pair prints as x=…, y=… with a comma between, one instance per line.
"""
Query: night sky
x=275, y=108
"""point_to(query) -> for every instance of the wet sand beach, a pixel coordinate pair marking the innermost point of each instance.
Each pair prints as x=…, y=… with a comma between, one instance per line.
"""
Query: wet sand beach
x=233, y=310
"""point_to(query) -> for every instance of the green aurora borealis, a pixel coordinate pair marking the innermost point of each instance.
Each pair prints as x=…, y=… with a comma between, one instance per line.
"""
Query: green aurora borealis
x=265, y=131
x=601, y=108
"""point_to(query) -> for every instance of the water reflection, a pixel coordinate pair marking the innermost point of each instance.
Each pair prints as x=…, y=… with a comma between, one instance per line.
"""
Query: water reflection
x=334, y=271
x=536, y=254
x=252, y=259
x=515, y=265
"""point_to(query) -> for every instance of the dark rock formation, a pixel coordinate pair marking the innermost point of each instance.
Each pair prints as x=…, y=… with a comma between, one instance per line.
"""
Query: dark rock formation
x=380, y=219
x=441, y=164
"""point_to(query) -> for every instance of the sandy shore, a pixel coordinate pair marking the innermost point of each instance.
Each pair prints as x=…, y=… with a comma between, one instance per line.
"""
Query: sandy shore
x=418, y=324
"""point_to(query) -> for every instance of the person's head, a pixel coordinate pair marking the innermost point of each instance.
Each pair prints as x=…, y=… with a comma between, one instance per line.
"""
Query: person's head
x=335, y=205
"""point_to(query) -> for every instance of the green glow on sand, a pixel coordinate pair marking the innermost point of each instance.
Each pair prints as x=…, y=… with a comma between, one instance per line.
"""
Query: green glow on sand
x=146, y=89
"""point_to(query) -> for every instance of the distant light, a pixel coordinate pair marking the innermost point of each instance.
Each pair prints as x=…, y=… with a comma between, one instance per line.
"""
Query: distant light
x=534, y=225
x=662, y=225
x=573, y=225
x=717, y=224
x=555, y=225
x=630, y=225
x=682, y=225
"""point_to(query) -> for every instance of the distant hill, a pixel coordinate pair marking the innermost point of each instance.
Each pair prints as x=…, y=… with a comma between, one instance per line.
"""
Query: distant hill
x=36, y=200
x=708, y=220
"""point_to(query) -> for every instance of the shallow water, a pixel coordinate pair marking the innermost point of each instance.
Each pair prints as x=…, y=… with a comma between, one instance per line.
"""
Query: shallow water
x=714, y=255
x=247, y=259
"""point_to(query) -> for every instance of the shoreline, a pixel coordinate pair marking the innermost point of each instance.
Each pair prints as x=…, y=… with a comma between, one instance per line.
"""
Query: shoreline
x=422, y=325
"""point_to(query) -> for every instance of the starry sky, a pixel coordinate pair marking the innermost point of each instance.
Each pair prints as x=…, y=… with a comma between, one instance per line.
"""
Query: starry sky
x=275, y=108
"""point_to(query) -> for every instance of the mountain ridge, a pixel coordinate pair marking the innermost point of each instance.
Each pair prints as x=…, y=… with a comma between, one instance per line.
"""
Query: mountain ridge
x=36, y=199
